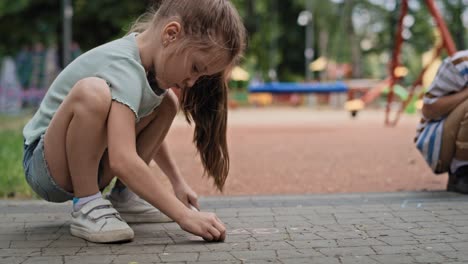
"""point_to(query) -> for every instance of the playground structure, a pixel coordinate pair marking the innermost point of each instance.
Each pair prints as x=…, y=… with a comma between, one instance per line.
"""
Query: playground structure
x=388, y=85
x=446, y=43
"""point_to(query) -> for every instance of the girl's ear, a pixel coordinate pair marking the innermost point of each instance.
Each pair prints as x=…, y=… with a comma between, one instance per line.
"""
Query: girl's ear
x=171, y=32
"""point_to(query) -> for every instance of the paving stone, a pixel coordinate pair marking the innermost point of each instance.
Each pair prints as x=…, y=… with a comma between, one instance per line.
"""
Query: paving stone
x=5, y=243
x=12, y=260
x=358, y=260
x=228, y=246
x=20, y=252
x=426, y=227
x=214, y=262
x=68, y=243
x=461, y=246
x=393, y=259
x=341, y=235
x=66, y=251
x=314, y=243
x=89, y=251
x=432, y=231
x=254, y=255
x=30, y=244
x=132, y=249
x=216, y=256
x=44, y=260
x=103, y=259
x=355, y=242
x=405, y=249
x=137, y=259
x=318, y=260
x=399, y=240
x=186, y=248
x=461, y=230
x=430, y=258
x=304, y=236
x=274, y=245
x=172, y=257
x=427, y=239
x=10, y=237
x=437, y=247
x=456, y=255
x=297, y=253
x=347, y=251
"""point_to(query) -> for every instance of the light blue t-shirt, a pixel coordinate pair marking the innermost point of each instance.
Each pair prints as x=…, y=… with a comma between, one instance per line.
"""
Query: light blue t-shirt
x=119, y=64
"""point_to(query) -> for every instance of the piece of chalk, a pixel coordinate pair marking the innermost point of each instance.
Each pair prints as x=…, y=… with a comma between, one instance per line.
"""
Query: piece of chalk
x=194, y=208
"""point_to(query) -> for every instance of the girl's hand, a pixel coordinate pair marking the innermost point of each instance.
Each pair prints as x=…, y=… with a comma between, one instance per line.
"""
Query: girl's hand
x=206, y=225
x=186, y=195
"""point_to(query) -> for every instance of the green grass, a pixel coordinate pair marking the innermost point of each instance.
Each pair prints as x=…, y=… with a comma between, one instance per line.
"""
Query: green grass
x=12, y=181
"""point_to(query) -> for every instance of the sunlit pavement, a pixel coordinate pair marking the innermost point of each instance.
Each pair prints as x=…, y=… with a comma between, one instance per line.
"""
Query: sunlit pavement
x=416, y=227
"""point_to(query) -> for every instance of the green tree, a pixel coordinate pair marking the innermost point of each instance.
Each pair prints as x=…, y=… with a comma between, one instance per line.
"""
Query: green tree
x=453, y=12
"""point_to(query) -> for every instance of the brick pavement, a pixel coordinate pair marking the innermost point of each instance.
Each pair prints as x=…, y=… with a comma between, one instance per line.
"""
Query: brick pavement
x=417, y=227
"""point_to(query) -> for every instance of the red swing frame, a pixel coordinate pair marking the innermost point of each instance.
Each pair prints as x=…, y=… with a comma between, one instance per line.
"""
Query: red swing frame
x=447, y=44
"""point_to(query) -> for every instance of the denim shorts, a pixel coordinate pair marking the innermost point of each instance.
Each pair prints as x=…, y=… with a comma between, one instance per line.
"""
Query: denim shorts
x=38, y=175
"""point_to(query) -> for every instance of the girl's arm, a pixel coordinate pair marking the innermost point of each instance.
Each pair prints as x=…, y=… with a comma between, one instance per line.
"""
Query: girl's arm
x=444, y=105
x=168, y=165
x=136, y=174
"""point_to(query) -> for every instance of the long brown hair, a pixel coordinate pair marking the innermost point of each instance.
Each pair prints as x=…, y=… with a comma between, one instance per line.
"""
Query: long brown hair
x=207, y=24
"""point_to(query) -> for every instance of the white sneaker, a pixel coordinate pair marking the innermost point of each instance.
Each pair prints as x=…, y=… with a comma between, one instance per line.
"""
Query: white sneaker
x=133, y=209
x=98, y=222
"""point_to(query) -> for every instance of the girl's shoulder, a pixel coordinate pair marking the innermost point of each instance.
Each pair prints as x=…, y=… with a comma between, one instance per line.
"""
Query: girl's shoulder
x=123, y=48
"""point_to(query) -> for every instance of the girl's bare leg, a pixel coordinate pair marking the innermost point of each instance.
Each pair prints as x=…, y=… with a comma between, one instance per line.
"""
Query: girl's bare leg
x=76, y=138
x=151, y=131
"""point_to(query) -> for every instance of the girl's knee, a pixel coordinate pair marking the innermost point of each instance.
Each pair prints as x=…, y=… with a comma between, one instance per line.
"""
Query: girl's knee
x=92, y=95
x=464, y=106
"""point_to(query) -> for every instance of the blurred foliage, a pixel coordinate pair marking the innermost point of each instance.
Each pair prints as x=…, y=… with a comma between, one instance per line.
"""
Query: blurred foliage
x=347, y=31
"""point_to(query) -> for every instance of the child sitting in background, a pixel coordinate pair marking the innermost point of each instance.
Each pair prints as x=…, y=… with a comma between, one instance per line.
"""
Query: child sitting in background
x=442, y=134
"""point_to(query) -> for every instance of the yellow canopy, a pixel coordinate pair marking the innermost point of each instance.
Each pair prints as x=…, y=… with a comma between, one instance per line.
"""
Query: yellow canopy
x=239, y=74
x=319, y=64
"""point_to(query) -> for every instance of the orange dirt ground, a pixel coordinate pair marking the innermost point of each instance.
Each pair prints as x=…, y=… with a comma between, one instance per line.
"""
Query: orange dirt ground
x=304, y=151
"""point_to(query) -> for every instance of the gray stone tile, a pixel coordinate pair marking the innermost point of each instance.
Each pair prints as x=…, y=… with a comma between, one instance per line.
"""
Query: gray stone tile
x=403, y=249
x=178, y=256
x=216, y=256
x=426, y=227
x=66, y=251
x=393, y=259
x=254, y=255
x=318, y=260
x=273, y=245
x=12, y=260
x=133, y=250
x=355, y=242
x=137, y=259
x=297, y=253
x=347, y=251
x=20, y=252
x=44, y=260
x=5, y=243
x=358, y=260
x=103, y=259
x=314, y=244
x=398, y=240
x=30, y=244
